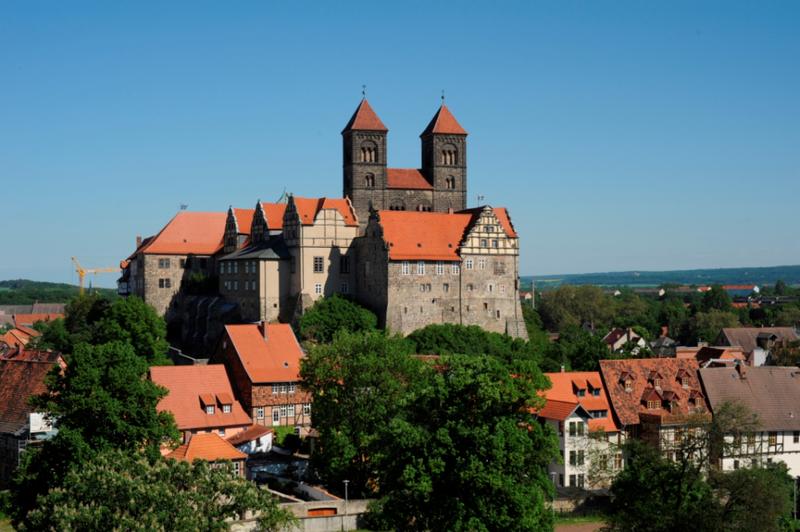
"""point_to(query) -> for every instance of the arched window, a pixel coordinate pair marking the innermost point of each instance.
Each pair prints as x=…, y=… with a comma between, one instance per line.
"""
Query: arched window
x=369, y=152
x=449, y=155
x=369, y=181
x=450, y=182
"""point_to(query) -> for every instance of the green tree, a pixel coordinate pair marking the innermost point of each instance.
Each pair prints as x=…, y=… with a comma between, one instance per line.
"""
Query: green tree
x=575, y=305
x=716, y=299
x=102, y=401
x=579, y=350
x=780, y=288
x=632, y=310
x=133, y=321
x=755, y=498
x=359, y=382
x=787, y=316
x=706, y=326
x=330, y=315
x=122, y=490
x=465, y=453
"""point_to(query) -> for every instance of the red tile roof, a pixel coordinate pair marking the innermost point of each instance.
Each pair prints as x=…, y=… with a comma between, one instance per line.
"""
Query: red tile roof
x=189, y=387
x=629, y=406
x=244, y=219
x=274, y=359
x=21, y=379
x=557, y=410
x=198, y=233
x=501, y=213
x=16, y=338
x=30, y=319
x=309, y=208
x=272, y=211
x=364, y=119
x=251, y=433
x=207, y=446
x=406, y=178
x=415, y=235
x=564, y=389
x=444, y=122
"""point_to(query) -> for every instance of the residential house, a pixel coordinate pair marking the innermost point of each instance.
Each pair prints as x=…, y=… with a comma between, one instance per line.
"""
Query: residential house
x=30, y=319
x=201, y=400
x=210, y=447
x=578, y=410
x=756, y=342
x=619, y=337
x=655, y=399
x=663, y=346
x=22, y=376
x=773, y=395
x=263, y=362
x=17, y=337
x=256, y=439
x=708, y=354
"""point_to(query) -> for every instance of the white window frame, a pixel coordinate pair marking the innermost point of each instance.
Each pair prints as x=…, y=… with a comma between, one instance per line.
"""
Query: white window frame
x=226, y=409
x=468, y=263
x=292, y=387
x=455, y=269
x=481, y=264
x=420, y=267
x=440, y=268
x=260, y=412
x=276, y=415
x=290, y=411
x=318, y=288
x=405, y=268
x=210, y=410
x=306, y=409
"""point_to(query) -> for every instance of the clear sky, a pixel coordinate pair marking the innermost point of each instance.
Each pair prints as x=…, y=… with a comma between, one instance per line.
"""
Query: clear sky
x=621, y=135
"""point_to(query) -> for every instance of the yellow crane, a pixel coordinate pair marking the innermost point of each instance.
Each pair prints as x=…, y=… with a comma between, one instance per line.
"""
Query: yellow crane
x=81, y=271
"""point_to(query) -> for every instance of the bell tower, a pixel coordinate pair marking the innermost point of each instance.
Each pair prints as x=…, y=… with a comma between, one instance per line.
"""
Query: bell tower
x=444, y=160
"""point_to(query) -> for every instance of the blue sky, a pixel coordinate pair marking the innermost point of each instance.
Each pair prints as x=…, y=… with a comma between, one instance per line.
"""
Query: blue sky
x=621, y=135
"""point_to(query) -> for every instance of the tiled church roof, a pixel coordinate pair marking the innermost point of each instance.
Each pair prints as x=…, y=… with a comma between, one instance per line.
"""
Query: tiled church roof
x=364, y=119
x=443, y=122
x=406, y=178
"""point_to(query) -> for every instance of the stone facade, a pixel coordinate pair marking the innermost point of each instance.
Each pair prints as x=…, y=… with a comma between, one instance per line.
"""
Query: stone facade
x=158, y=278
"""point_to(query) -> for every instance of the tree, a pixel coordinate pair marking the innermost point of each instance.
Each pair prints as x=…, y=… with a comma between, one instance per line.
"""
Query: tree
x=632, y=310
x=780, y=288
x=332, y=314
x=716, y=298
x=126, y=491
x=706, y=326
x=465, y=453
x=359, y=383
x=102, y=401
x=133, y=321
x=575, y=305
x=579, y=350
x=755, y=498
x=787, y=316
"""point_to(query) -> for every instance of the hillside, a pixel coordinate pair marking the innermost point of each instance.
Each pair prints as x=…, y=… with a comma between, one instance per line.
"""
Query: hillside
x=27, y=292
x=757, y=276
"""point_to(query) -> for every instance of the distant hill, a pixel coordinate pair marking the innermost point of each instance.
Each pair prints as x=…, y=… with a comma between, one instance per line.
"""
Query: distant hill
x=27, y=292
x=757, y=276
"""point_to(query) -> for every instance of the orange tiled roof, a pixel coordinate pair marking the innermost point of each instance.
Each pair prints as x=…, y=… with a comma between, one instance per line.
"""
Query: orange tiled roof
x=250, y=434
x=564, y=389
x=406, y=178
x=22, y=378
x=186, y=385
x=558, y=410
x=415, y=235
x=274, y=359
x=244, y=219
x=502, y=217
x=198, y=233
x=207, y=446
x=629, y=406
x=444, y=122
x=272, y=211
x=309, y=208
x=30, y=319
x=364, y=119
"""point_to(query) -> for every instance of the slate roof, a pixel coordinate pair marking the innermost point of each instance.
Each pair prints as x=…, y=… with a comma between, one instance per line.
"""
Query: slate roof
x=271, y=249
x=747, y=337
x=207, y=446
x=21, y=378
x=770, y=392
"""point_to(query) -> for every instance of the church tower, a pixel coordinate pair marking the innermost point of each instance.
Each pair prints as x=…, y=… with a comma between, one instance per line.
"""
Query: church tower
x=444, y=160
x=364, y=159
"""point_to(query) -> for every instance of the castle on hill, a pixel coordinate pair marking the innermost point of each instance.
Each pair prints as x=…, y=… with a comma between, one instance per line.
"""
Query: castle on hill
x=402, y=242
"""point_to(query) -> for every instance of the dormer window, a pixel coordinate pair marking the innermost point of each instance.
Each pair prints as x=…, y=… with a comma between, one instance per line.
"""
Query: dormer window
x=226, y=409
x=210, y=410
x=653, y=404
x=581, y=392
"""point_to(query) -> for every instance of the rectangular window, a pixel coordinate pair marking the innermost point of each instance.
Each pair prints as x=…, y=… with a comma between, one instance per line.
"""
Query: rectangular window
x=226, y=409
x=561, y=479
x=319, y=264
x=440, y=268
x=260, y=412
x=481, y=264
x=276, y=415
x=421, y=267
x=275, y=388
x=292, y=387
x=618, y=461
x=221, y=432
x=344, y=264
x=445, y=288
x=455, y=269
x=307, y=409
x=736, y=464
x=235, y=267
x=495, y=244
x=284, y=411
x=182, y=262
x=290, y=411
x=318, y=288
x=580, y=457
x=405, y=268
x=484, y=243
x=573, y=458
x=236, y=285
x=210, y=410
x=468, y=264
x=573, y=429
x=344, y=288
x=773, y=439
x=572, y=481
x=163, y=263
x=796, y=436
x=237, y=468
x=165, y=283
x=580, y=480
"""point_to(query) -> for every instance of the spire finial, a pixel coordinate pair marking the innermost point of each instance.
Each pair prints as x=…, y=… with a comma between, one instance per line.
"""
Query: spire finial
x=442, y=96
x=364, y=91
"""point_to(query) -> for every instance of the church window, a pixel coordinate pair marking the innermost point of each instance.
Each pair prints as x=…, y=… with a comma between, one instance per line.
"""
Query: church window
x=421, y=267
x=319, y=265
x=468, y=264
x=450, y=182
x=440, y=268
x=486, y=306
x=449, y=155
x=497, y=314
x=405, y=268
x=490, y=288
x=369, y=181
x=369, y=153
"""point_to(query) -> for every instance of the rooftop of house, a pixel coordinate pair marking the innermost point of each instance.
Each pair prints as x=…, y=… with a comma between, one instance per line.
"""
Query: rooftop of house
x=251, y=433
x=706, y=353
x=269, y=352
x=192, y=389
x=22, y=377
x=208, y=446
x=31, y=319
x=309, y=208
x=618, y=333
x=584, y=388
x=664, y=388
x=770, y=392
x=273, y=212
x=188, y=233
x=748, y=337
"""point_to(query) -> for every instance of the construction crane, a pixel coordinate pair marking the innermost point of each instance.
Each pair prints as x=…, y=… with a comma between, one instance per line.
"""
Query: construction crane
x=81, y=271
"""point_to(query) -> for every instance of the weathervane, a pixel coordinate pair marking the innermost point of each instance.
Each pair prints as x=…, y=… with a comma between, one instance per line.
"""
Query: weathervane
x=442, y=96
x=363, y=91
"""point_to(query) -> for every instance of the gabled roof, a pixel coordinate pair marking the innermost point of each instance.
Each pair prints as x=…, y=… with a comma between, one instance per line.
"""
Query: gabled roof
x=207, y=446
x=275, y=358
x=20, y=379
x=251, y=433
x=309, y=208
x=747, y=337
x=190, y=389
x=406, y=178
x=364, y=119
x=30, y=319
x=413, y=235
x=272, y=211
x=563, y=390
x=501, y=213
x=770, y=392
x=558, y=410
x=443, y=122
x=189, y=233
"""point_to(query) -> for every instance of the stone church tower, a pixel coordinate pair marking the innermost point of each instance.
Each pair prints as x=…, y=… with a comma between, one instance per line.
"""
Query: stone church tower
x=440, y=185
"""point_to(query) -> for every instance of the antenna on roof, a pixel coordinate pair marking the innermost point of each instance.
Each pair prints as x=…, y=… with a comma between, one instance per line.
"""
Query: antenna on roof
x=184, y=206
x=364, y=91
x=481, y=197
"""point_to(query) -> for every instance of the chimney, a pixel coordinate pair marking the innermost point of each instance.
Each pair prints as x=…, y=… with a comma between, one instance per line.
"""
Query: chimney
x=563, y=369
x=138, y=241
x=741, y=369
